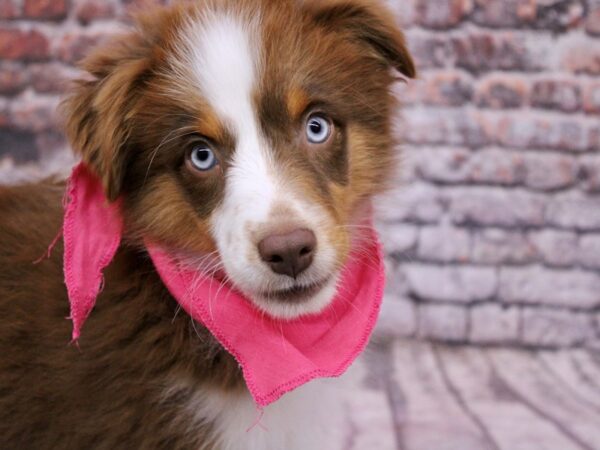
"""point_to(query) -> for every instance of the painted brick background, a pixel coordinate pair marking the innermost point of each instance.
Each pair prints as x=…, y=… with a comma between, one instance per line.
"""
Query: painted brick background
x=493, y=231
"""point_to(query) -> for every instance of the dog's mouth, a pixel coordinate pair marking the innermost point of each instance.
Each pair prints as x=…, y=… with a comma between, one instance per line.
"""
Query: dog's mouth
x=286, y=301
x=297, y=293
x=298, y=300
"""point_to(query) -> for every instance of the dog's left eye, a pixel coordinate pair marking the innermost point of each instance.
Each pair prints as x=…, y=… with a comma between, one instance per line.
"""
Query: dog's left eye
x=318, y=129
x=202, y=158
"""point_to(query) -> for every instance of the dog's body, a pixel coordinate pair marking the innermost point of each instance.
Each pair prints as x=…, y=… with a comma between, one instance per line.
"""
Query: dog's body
x=147, y=376
x=119, y=389
x=144, y=375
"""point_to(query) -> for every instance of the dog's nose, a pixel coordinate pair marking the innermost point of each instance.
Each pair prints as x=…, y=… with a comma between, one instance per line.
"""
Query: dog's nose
x=290, y=253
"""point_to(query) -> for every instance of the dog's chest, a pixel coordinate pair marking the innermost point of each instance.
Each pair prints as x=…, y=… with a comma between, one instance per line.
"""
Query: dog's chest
x=309, y=418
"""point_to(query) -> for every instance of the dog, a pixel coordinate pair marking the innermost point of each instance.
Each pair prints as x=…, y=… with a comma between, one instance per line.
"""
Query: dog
x=251, y=135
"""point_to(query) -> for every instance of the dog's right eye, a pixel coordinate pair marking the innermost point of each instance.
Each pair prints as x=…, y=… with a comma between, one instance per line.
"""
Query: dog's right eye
x=201, y=158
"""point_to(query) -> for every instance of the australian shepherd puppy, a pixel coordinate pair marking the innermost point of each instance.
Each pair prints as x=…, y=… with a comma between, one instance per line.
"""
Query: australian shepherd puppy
x=251, y=134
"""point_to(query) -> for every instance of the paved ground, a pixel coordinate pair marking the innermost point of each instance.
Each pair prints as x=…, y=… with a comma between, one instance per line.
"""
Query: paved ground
x=419, y=396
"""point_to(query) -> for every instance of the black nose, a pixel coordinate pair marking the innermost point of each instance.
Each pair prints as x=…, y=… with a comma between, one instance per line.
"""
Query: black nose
x=290, y=253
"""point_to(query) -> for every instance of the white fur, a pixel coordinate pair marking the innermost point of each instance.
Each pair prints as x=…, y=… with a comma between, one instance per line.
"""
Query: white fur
x=310, y=417
x=225, y=56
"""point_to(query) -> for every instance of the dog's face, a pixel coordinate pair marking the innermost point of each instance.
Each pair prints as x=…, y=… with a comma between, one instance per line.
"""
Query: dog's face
x=248, y=136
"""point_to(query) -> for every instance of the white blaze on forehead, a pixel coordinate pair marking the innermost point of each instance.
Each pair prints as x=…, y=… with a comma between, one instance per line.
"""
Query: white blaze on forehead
x=226, y=56
x=226, y=62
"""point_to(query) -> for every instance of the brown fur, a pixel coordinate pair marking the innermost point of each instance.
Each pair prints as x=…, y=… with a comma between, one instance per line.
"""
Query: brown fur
x=110, y=394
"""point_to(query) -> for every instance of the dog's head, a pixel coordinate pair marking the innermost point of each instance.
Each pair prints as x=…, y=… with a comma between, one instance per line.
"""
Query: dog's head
x=247, y=135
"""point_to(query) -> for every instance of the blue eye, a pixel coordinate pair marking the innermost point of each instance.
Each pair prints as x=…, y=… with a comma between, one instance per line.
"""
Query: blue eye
x=318, y=129
x=202, y=158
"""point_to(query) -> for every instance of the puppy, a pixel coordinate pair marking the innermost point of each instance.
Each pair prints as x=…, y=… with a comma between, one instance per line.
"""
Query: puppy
x=250, y=135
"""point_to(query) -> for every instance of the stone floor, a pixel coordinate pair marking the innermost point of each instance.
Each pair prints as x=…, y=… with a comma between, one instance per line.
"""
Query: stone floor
x=420, y=396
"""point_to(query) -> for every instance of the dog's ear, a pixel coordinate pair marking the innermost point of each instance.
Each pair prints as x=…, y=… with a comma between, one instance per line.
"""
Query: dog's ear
x=368, y=21
x=98, y=113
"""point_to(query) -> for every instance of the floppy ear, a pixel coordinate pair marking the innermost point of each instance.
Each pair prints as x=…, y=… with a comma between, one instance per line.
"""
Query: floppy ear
x=367, y=21
x=99, y=111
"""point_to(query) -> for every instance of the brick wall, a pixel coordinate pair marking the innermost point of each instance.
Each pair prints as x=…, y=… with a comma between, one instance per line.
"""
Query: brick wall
x=494, y=230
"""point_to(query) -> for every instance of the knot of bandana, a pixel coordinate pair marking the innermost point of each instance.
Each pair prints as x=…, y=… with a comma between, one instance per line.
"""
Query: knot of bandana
x=276, y=356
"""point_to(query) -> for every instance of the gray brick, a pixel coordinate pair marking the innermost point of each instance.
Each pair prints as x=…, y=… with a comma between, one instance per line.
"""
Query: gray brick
x=591, y=96
x=559, y=15
x=442, y=13
x=556, y=328
x=574, y=211
x=496, y=166
x=589, y=251
x=483, y=50
x=418, y=202
x=493, y=206
x=35, y=113
x=556, y=94
x=461, y=284
x=555, y=15
x=543, y=132
x=458, y=165
x=493, y=324
x=404, y=11
x=444, y=244
x=556, y=248
x=500, y=13
x=396, y=283
x=493, y=246
x=447, y=126
x=579, y=55
x=443, y=322
x=429, y=50
x=590, y=172
x=441, y=88
x=398, y=318
x=593, y=21
x=537, y=285
x=549, y=172
x=500, y=91
x=443, y=165
x=397, y=238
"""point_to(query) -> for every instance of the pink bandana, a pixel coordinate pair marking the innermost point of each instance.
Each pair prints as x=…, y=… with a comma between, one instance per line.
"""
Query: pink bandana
x=276, y=356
